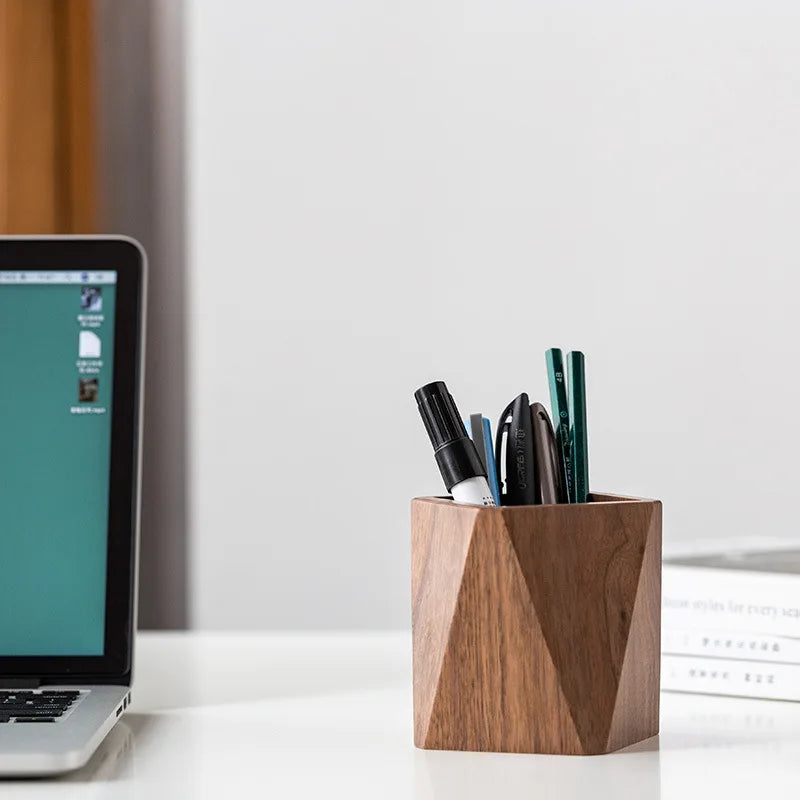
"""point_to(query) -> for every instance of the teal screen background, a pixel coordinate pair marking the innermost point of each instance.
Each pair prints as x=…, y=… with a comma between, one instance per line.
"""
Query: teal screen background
x=54, y=474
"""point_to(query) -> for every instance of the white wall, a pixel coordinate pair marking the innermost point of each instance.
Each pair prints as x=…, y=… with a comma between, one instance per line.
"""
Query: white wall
x=622, y=177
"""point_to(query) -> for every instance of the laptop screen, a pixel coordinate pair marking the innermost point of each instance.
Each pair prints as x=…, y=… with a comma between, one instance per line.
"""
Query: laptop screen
x=56, y=362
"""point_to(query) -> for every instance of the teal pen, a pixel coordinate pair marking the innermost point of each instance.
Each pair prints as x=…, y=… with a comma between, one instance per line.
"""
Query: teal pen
x=579, y=448
x=560, y=409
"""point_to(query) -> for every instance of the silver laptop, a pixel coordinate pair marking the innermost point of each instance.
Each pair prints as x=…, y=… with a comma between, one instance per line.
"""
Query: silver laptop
x=71, y=345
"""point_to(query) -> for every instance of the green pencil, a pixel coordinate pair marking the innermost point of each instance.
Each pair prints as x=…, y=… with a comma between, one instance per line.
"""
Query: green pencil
x=558, y=405
x=579, y=448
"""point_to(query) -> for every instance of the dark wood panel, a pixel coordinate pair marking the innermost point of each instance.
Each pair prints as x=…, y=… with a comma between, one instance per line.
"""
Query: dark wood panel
x=47, y=142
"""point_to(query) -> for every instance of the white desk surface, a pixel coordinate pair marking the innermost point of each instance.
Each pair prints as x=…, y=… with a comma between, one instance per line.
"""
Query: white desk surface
x=329, y=716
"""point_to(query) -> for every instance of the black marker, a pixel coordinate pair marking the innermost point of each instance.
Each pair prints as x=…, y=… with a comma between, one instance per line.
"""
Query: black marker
x=463, y=473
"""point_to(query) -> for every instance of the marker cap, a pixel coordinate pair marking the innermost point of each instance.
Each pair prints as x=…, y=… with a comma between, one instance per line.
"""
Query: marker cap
x=454, y=451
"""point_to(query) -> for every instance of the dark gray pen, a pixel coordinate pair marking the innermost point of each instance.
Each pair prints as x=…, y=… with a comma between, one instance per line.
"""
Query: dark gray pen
x=550, y=489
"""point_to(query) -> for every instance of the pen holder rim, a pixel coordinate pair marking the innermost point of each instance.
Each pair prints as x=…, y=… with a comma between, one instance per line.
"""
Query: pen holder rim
x=595, y=499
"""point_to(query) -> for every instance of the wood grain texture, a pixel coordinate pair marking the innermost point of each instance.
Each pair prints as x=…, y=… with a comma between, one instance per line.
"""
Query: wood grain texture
x=28, y=176
x=536, y=628
x=436, y=580
x=47, y=117
x=75, y=106
x=637, y=709
x=4, y=101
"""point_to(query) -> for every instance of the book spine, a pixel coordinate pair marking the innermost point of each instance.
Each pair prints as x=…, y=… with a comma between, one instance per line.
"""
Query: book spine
x=695, y=598
x=731, y=645
x=730, y=677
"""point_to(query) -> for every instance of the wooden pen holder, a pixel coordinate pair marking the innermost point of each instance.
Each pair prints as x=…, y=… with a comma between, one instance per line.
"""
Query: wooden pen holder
x=536, y=628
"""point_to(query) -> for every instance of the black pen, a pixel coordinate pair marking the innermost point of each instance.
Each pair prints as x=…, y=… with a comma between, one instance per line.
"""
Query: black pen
x=520, y=474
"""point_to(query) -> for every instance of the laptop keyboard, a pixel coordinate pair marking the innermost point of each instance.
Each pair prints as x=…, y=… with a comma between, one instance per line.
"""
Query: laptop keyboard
x=27, y=705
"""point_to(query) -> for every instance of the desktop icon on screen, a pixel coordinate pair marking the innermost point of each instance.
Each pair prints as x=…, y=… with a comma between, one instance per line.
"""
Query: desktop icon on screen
x=89, y=345
x=91, y=298
x=88, y=390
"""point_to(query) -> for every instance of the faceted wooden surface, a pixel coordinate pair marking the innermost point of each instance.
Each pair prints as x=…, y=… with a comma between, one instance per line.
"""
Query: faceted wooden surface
x=536, y=628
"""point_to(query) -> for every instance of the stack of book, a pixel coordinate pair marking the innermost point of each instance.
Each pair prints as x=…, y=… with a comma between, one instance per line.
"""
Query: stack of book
x=731, y=623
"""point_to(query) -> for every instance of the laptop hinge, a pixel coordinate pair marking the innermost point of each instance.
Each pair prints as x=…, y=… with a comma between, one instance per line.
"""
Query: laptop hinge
x=19, y=683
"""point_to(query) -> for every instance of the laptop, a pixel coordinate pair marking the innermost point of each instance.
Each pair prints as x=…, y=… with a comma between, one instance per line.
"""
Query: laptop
x=71, y=345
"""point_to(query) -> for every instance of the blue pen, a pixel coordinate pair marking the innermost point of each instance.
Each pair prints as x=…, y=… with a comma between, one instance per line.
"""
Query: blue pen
x=480, y=430
x=491, y=468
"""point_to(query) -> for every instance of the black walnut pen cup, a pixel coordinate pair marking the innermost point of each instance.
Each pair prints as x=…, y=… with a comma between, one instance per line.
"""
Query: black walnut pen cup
x=536, y=628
